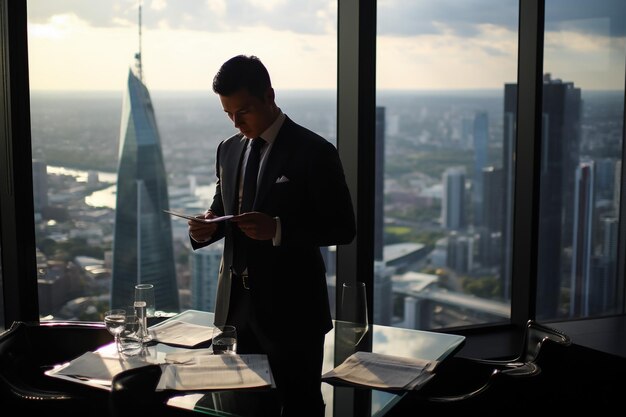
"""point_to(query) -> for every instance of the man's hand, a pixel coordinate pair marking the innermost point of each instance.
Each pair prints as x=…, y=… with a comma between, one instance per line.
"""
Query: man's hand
x=201, y=232
x=256, y=225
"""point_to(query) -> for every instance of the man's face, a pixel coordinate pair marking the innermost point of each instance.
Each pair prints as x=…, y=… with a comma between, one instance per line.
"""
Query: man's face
x=251, y=115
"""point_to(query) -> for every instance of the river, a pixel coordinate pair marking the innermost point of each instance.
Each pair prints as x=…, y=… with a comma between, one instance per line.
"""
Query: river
x=105, y=197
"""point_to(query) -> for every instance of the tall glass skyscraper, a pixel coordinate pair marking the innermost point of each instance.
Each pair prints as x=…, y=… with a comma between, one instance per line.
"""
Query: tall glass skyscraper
x=142, y=241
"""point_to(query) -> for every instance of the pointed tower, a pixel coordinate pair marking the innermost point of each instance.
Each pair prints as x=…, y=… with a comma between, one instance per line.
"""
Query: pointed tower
x=142, y=241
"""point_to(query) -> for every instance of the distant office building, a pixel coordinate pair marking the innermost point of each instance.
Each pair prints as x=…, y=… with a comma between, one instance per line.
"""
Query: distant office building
x=560, y=156
x=382, y=273
x=453, y=204
x=605, y=172
x=142, y=241
x=617, y=186
x=205, y=267
x=40, y=185
x=490, y=243
x=481, y=143
x=508, y=186
x=560, y=150
x=582, y=241
x=493, y=200
x=460, y=252
x=609, y=290
x=382, y=293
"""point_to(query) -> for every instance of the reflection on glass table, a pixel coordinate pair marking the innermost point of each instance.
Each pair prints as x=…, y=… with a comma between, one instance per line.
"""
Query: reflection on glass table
x=385, y=340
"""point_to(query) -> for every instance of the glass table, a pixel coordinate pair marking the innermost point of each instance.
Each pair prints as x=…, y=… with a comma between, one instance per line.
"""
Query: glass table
x=340, y=401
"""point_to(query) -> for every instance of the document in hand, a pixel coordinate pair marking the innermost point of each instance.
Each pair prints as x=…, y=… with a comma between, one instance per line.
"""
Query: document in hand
x=198, y=219
x=204, y=371
x=380, y=371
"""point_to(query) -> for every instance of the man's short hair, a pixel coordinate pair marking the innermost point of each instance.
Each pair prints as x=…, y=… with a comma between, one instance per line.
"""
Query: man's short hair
x=242, y=72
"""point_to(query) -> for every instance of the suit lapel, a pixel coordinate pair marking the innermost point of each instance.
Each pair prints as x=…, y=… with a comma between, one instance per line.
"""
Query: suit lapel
x=232, y=167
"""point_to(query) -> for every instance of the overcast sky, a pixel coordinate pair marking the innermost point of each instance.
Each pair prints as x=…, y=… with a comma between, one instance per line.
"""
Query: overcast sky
x=421, y=44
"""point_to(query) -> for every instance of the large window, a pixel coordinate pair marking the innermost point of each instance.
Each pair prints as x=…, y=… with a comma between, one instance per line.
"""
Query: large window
x=445, y=137
x=87, y=61
x=566, y=235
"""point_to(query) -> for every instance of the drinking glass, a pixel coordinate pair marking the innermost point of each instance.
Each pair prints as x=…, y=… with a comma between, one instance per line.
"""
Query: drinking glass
x=115, y=321
x=144, y=308
x=354, y=312
x=129, y=342
x=145, y=292
x=224, y=340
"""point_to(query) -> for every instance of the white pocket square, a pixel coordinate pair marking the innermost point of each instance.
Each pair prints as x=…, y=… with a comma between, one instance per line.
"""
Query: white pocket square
x=282, y=179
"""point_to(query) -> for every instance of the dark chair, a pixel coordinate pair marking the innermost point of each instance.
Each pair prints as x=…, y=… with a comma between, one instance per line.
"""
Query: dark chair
x=133, y=394
x=27, y=350
x=488, y=386
x=535, y=337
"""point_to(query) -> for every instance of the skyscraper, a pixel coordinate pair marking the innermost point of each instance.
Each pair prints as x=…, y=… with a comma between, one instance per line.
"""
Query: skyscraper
x=481, y=139
x=560, y=149
x=582, y=241
x=453, y=204
x=205, y=266
x=382, y=273
x=142, y=242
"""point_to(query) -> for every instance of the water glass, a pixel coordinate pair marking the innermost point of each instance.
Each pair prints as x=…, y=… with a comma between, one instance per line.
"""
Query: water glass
x=144, y=308
x=115, y=320
x=224, y=340
x=129, y=343
x=354, y=311
x=145, y=292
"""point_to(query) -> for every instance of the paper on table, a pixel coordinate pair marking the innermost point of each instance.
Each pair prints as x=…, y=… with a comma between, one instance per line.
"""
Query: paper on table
x=181, y=333
x=186, y=402
x=198, y=219
x=218, y=372
x=382, y=371
x=96, y=368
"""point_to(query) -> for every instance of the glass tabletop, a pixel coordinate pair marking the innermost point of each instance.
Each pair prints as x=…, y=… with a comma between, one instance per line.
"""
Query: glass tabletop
x=340, y=401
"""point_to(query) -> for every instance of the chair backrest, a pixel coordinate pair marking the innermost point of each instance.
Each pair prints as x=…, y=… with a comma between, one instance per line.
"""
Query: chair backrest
x=27, y=350
x=498, y=378
x=534, y=338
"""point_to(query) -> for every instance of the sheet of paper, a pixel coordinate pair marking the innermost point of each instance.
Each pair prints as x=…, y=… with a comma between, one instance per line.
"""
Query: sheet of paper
x=382, y=371
x=207, y=372
x=94, y=368
x=187, y=402
x=181, y=333
x=194, y=218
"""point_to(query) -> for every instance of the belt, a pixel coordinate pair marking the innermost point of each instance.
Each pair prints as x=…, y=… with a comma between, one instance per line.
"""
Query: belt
x=244, y=278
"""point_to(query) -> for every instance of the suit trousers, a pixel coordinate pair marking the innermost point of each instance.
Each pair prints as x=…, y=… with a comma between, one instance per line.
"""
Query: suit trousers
x=295, y=356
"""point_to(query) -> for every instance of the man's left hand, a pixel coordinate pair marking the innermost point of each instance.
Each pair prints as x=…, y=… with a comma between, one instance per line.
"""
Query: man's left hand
x=256, y=225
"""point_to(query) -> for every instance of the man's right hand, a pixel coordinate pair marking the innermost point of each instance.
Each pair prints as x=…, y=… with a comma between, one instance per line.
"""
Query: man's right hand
x=201, y=232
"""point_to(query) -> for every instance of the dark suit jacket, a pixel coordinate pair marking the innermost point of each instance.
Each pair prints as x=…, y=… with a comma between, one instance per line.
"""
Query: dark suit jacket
x=287, y=282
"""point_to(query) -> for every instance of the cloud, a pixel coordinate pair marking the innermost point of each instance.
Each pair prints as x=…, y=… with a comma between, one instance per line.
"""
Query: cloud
x=463, y=18
x=400, y=18
x=311, y=16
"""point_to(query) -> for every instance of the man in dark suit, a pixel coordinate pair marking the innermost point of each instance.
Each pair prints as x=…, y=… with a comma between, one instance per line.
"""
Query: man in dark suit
x=272, y=281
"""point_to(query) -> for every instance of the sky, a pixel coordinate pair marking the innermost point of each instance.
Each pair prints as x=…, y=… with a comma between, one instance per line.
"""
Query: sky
x=421, y=44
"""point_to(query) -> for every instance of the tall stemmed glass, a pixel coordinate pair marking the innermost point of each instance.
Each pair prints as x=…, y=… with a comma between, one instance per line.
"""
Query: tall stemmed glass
x=354, y=312
x=115, y=321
